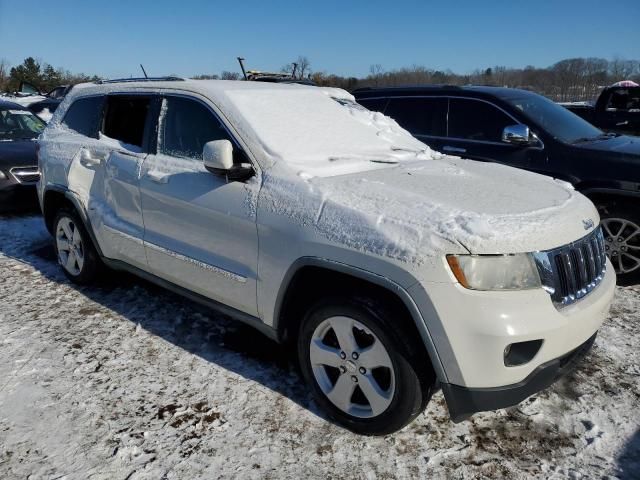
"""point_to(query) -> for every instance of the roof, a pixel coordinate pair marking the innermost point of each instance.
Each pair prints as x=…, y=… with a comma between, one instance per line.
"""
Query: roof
x=479, y=90
x=204, y=87
x=13, y=105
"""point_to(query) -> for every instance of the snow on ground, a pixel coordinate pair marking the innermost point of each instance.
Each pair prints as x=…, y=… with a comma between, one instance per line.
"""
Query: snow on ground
x=128, y=381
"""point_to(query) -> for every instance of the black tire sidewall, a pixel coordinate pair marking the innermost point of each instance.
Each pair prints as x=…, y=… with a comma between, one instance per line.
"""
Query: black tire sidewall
x=407, y=402
x=91, y=263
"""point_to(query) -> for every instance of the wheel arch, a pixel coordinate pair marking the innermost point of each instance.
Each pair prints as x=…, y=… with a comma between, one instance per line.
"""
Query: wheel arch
x=56, y=197
x=300, y=288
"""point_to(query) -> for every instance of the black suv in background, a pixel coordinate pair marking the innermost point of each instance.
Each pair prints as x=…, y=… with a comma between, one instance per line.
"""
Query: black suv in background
x=525, y=130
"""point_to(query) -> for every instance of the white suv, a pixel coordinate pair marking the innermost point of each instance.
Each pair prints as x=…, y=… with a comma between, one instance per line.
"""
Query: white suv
x=394, y=270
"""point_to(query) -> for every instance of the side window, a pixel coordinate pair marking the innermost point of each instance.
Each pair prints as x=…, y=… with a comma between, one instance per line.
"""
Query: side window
x=476, y=120
x=185, y=126
x=84, y=116
x=420, y=116
x=125, y=118
x=373, y=104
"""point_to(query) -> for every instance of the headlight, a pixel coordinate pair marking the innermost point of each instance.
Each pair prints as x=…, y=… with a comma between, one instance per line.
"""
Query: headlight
x=2, y=175
x=495, y=272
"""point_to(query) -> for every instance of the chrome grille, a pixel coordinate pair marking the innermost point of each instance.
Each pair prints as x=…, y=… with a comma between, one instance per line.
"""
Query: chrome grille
x=570, y=272
x=25, y=174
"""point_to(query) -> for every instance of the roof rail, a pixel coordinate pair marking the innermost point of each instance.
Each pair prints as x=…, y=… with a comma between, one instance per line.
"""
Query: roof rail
x=141, y=79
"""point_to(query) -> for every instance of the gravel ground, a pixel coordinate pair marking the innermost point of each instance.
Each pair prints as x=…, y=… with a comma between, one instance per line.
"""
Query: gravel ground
x=128, y=381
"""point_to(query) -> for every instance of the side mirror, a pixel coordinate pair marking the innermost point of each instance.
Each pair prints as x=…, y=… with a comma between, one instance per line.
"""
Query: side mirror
x=218, y=156
x=516, y=135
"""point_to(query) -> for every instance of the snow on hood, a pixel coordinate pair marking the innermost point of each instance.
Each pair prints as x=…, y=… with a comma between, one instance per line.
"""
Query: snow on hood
x=421, y=209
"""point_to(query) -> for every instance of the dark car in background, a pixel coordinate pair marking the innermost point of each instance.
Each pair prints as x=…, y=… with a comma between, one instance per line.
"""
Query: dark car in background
x=617, y=109
x=525, y=130
x=19, y=174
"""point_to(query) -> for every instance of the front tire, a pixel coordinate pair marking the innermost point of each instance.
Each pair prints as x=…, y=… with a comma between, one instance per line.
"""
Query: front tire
x=358, y=366
x=74, y=249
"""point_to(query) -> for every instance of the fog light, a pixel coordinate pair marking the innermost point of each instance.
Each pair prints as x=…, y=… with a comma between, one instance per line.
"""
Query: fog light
x=521, y=352
x=2, y=175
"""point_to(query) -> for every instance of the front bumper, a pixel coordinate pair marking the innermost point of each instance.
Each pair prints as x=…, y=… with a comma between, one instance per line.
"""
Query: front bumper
x=15, y=195
x=463, y=402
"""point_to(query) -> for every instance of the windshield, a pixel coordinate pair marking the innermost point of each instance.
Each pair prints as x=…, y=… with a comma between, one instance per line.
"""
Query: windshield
x=555, y=119
x=18, y=124
x=317, y=133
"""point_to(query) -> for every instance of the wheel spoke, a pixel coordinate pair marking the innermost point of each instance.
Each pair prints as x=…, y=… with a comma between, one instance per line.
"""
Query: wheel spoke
x=343, y=328
x=623, y=225
x=375, y=356
x=77, y=239
x=607, y=230
x=67, y=229
x=378, y=399
x=62, y=244
x=71, y=262
x=322, y=354
x=636, y=261
x=342, y=391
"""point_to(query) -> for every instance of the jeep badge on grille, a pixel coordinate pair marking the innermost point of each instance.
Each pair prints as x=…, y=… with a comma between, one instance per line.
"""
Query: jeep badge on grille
x=587, y=224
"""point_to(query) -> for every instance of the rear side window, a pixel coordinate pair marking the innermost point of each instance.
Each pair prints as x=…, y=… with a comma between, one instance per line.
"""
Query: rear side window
x=185, y=126
x=421, y=116
x=373, y=104
x=84, y=116
x=476, y=120
x=126, y=117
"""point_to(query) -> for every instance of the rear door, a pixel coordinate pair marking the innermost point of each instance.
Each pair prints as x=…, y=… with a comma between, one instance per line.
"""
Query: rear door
x=123, y=144
x=474, y=130
x=200, y=232
x=424, y=117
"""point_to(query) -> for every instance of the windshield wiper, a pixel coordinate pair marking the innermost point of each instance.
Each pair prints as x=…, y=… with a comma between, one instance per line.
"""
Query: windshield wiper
x=602, y=136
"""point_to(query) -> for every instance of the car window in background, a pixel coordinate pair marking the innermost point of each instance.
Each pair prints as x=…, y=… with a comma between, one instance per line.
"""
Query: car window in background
x=476, y=120
x=185, y=127
x=84, y=116
x=18, y=124
x=623, y=100
x=374, y=104
x=420, y=116
x=562, y=124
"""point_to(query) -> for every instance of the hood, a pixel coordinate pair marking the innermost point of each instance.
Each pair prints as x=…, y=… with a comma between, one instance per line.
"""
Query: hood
x=425, y=208
x=624, y=145
x=16, y=153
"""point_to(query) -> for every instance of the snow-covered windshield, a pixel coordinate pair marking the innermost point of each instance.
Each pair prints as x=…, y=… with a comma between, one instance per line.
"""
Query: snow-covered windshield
x=321, y=135
x=17, y=124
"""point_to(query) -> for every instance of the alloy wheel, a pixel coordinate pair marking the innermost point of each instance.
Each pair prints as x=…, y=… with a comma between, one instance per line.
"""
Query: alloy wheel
x=622, y=244
x=352, y=367
x=70, y=247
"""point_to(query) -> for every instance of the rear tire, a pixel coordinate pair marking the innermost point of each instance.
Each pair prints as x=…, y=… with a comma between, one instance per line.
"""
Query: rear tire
x=621, y=229
x=74, y=248
x=358, y=363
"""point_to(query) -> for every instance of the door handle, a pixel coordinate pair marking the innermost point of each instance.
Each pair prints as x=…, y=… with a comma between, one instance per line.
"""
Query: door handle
x=449, y=148
x=89, y=158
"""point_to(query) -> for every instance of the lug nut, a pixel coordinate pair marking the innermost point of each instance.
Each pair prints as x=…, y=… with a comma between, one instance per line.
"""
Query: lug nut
x=620, y=240
x=606, y=247
x=343, y=355
x=355, y=355
x=363, y=370
x=624, y=249
x=354, y=378
x=343, y=369
x=609, y=239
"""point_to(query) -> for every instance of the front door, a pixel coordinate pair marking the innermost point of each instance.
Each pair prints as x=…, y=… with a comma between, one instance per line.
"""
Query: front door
x=200, y=232
x=475, y=131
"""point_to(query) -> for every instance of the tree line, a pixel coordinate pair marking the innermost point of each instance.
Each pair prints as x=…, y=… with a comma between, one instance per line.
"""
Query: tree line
x=41, y=75
x=573, y=79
